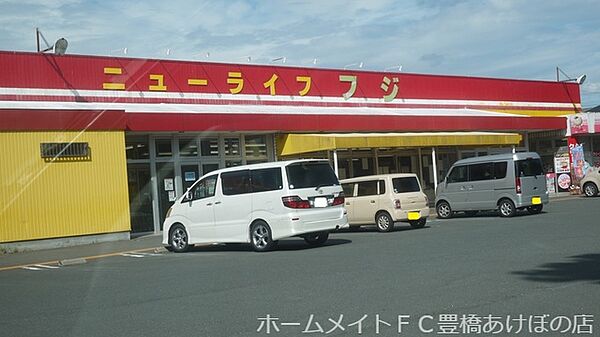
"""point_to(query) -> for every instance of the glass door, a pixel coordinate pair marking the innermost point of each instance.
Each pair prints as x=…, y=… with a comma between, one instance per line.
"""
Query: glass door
x=140, y=197
x=166, y=188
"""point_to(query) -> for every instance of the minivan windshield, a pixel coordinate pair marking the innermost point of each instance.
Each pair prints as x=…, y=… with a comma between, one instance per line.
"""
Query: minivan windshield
x=310, y=174
x=403, y=185
x=529, y=167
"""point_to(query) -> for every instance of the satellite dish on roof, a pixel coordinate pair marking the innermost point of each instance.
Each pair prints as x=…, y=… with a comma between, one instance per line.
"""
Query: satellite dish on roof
x=60, y=47
x=581, y=79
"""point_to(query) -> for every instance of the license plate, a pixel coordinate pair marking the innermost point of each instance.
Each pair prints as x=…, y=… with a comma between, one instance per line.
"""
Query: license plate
x=536, y=200
x=414, y=215
x=320, y=202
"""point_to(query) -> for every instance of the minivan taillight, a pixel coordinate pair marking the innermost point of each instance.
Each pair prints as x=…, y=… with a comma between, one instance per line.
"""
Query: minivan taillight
x=518, y=184
x=397, y=204
x=339, y=200
x=295, y=202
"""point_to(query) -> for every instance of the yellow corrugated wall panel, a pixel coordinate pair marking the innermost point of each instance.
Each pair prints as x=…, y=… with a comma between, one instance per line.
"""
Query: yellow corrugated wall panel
x=41, y=199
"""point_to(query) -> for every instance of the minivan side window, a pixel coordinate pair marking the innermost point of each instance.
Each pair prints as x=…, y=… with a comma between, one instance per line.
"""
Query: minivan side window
x=500, y=170
x=382, y=187
x=236, y=182
x=458, y=174
x=528, y=167
x=348, y=189
x=483, y=171
x=204, y=188
x=310, y=174
x=404, y=185
x=367, y=188
x=268, y=179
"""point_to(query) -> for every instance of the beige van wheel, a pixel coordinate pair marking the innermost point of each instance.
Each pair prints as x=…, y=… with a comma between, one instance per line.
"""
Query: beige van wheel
x=384, y=222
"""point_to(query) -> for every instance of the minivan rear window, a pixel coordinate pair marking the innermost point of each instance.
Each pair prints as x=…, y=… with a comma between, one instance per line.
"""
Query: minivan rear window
x=403, y=185
x=310, y=174
x=529, y=167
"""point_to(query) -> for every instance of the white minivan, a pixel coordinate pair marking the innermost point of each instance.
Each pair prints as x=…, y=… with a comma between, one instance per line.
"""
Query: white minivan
x=385, y=199
x=258, y=204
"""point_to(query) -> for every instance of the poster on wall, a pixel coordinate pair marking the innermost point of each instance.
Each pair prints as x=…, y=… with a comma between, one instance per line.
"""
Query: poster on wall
x=190, y=176
x=172, y=196
x=561, y=164
x=563, y=182
x=169, y=184
x=550, y=178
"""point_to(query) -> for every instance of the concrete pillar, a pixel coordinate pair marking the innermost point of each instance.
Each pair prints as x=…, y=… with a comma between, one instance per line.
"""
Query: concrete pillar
x=335, y=163
x=434, y=159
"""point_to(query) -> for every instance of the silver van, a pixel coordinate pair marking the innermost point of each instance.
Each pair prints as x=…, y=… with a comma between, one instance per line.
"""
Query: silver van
x=506, y=182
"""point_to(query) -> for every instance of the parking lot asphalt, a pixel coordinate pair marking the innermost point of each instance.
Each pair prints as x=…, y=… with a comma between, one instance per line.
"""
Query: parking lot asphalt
x=544, y=264
x=146, y=243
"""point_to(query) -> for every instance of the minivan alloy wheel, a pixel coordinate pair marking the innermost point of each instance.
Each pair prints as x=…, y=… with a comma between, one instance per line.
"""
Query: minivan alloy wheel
x=260, y=235
x=384, y=222
x=507, y=208
x=590, y=189
x=443, y=210
x=178, y=240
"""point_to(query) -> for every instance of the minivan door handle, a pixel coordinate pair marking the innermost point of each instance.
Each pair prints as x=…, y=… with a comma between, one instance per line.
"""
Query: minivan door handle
x=209, y=204
x=217, y=202
x=372, y=201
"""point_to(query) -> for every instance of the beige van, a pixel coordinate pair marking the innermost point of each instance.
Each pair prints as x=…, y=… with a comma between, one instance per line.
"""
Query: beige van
x=385, y=199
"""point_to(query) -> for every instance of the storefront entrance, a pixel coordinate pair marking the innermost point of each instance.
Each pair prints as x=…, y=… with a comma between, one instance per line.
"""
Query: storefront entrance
x=161, y=167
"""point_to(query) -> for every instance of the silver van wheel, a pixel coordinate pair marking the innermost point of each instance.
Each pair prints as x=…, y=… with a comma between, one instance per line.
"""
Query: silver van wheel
x=443, y=210
x=384, y=222
x=260, y=236
x=507, y=208
x=590, y=189
x=178, y=239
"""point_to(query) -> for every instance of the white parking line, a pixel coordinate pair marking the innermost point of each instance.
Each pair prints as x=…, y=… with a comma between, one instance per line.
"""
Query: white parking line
x=46, y=266
x=31, y=268
x=131, y=255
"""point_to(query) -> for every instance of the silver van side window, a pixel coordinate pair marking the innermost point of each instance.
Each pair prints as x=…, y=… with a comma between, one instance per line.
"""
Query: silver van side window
x=483, y=171
x=500, y=170
x=528, y=167
x=458, y=174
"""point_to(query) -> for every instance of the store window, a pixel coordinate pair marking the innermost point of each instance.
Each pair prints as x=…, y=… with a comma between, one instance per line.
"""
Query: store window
x=209, y=147
x=188, y=147
x=232, y=146
x=137, y=148
x=256, y=147
x=163, y=148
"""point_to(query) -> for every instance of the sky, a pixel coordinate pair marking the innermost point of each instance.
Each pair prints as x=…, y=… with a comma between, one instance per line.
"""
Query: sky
x=525, y=39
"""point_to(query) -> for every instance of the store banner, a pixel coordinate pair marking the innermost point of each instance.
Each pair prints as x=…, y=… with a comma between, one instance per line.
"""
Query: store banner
x=583, y=123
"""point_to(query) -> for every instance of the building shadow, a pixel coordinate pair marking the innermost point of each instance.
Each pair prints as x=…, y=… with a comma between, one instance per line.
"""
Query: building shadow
x=584, y=267
x=282, y=245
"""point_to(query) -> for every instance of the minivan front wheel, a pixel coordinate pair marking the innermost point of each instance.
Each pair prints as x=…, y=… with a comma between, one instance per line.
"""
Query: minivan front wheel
x=178, y=239
x=443, y=210
x=384, y=222
x=507, y=208
x=261, y=238
x=316, y=239
x=590, y=189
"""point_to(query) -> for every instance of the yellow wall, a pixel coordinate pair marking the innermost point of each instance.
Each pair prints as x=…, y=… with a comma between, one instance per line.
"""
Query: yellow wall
x=41, y=199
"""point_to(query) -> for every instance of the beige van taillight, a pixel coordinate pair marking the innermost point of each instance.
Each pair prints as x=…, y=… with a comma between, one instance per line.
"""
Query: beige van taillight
x=397, y=204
